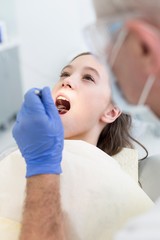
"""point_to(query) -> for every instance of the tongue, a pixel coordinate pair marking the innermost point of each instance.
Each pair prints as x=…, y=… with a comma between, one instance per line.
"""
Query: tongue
x=62, y=109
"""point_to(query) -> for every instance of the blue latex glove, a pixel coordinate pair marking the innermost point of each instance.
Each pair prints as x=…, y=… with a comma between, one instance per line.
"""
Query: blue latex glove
x=39, y=133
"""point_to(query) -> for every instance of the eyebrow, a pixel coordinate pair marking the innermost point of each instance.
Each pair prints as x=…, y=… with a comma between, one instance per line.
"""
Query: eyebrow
x=67, y=66
x=85, y=68
x=92, y=69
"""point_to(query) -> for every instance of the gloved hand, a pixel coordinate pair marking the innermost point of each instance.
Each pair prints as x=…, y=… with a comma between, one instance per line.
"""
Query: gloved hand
x=39, y=133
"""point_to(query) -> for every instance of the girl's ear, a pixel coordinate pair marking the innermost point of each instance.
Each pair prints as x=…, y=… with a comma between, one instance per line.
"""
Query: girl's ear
x=111, y=114
x=149, y=40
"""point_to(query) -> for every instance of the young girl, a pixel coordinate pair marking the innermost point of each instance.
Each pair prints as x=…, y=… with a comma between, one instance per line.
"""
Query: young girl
x=84, y=101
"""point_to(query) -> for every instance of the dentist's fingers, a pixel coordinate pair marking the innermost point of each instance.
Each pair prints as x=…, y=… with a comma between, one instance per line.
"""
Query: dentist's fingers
x=48, y=103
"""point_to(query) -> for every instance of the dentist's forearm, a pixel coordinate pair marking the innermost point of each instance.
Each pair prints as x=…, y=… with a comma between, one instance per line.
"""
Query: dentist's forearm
x=42, y=218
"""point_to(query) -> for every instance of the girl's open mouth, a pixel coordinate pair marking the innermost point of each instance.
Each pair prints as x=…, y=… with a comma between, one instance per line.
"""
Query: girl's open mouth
x=62, y=104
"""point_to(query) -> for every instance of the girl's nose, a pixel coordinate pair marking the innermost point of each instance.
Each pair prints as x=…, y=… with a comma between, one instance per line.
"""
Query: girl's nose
x=65, y=84
x=68, y=83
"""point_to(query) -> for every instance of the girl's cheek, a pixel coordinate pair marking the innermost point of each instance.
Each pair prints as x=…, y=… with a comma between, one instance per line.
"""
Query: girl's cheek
x=53, y=93
x=56, y=87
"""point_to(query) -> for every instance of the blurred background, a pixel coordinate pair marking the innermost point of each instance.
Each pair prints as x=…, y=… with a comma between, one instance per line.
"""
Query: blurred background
x=37, y=38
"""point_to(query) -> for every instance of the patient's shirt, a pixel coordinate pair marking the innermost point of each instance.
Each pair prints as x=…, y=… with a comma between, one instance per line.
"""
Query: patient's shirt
x=146, y=126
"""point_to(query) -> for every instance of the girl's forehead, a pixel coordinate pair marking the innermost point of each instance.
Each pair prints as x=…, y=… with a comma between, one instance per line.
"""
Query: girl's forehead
x=89, y=61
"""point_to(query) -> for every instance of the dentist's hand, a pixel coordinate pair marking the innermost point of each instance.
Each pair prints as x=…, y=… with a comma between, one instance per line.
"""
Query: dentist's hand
x=39, y=133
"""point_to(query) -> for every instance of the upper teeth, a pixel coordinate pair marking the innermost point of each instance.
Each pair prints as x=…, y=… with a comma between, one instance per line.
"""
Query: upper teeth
x=62, y=98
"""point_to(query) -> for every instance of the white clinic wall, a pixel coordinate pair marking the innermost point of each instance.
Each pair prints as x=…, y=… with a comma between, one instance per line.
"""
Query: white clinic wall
x=7, y=14
x=50, y=34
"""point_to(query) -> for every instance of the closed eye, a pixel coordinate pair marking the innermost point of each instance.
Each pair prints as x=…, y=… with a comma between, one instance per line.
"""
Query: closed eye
x=88, y=77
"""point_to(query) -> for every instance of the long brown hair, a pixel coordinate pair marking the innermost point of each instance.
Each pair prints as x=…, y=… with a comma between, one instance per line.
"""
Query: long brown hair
x=116, y=135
